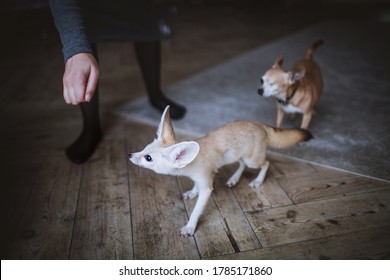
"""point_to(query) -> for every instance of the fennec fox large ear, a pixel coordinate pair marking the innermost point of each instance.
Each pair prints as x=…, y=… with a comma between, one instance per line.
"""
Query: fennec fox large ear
x=165, y=132
x=182, y=154
x=278, y=62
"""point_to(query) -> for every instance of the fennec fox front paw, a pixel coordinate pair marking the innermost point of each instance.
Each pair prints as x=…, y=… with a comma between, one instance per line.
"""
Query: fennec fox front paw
x=187, y=231
x=232, y=181
x=255, y=184
x=190, y=194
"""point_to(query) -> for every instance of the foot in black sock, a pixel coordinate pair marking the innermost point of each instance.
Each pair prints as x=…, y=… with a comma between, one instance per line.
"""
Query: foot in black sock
x=176, y=111
x=84, y=146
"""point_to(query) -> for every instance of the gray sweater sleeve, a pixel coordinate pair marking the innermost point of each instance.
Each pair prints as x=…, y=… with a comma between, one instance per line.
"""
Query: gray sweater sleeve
x=70, y=25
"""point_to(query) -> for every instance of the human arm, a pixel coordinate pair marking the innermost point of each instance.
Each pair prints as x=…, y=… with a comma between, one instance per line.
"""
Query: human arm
x=81, y=68
x=80, y=78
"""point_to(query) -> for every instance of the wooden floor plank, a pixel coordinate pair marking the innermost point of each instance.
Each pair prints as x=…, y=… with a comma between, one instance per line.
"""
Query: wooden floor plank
x=15, y=193
x=158, y=214
x=237, y=227
x=268, y=195
x=327, y=183
x=320, y=219
x=211, y=233
x=103, y=228
x=45, y=230
x=367, y=244
x=280, y=165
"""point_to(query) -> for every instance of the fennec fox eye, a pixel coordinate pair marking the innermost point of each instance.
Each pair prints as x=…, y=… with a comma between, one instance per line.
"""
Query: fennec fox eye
x=148, y=158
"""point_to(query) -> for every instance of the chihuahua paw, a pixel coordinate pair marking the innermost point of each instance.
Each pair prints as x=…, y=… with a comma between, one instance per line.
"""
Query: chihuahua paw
x=189, y=195
x=187, y=231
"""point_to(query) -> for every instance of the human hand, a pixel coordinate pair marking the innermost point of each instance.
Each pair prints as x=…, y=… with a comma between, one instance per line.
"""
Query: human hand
x=80, y=78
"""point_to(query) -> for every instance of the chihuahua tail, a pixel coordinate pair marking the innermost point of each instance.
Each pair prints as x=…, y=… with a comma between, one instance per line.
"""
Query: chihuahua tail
x=314, y=45
x=284, y=138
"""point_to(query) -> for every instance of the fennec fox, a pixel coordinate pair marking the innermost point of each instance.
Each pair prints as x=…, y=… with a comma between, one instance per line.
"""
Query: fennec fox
x=242, y=141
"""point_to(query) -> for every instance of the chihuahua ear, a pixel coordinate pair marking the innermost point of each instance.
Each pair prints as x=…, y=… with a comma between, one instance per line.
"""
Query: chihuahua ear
x=182, y=154
x=278, y=62
x=165, y=132
x=296, y=75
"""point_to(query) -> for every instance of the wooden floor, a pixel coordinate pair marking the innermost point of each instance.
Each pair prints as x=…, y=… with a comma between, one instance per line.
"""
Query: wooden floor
x=109, y=209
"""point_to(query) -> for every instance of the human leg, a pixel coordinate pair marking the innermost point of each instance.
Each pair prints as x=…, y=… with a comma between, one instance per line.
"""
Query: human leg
x=85, y=145
x=149, y=58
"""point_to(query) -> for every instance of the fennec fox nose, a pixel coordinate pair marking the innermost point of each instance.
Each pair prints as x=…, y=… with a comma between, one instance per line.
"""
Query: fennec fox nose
x=130, y=156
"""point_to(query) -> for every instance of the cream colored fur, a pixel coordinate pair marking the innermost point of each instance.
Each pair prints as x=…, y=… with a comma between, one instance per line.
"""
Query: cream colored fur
x=243, y=141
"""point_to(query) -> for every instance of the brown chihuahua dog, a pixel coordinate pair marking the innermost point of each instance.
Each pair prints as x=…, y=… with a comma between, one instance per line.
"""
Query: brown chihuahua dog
x=297, y=90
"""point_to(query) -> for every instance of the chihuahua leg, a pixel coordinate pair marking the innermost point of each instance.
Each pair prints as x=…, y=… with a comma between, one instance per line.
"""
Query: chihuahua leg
x=191, y=193
x=189, y=228
x=260, y=178
x=279, y=116
x=237, y=175
x=306, y=119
